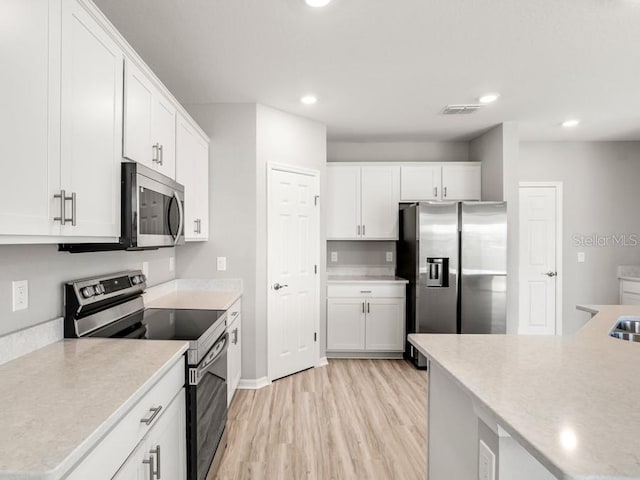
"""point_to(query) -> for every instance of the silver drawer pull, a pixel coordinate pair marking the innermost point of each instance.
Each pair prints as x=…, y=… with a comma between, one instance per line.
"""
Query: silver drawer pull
x=234, y=314
x=365, y=291
x=155, y=411
x=156, y=452
x=150, y=463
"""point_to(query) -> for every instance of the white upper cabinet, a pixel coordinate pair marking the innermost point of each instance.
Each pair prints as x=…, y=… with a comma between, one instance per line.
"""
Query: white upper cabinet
x=420, y=183
x=343, y=203
x=192, y=170
x=149, y=123
x=28, y=146
x=362, y=202
x=379, y=204
x=91, y=125
x=440, y=181
x=461, y=182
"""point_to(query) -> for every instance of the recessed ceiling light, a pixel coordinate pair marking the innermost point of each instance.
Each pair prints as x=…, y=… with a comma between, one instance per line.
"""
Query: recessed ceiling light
x=317, y=3
x=574, y=122
x=309, y=99
x=489, y=98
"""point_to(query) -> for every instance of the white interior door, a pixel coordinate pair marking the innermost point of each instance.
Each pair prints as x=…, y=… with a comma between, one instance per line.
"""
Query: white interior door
x=538, y=260
x=293, y=233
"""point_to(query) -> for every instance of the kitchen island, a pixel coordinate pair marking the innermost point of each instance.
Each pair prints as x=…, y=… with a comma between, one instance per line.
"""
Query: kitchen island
x=534, y=407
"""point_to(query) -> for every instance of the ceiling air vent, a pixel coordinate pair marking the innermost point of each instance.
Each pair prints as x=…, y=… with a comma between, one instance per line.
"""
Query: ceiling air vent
x=461, y=109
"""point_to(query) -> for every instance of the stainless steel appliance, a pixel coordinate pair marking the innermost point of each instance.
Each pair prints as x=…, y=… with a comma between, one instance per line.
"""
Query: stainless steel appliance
x=152, y=213
x=454, y=255
x=111, y=306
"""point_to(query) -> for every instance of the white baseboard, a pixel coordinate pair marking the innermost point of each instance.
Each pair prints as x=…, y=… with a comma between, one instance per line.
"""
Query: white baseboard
x=253, y=383
x=322, y=362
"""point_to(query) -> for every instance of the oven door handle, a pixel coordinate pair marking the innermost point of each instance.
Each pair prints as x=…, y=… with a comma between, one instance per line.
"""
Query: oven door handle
x=216, y=351
x=181, y=222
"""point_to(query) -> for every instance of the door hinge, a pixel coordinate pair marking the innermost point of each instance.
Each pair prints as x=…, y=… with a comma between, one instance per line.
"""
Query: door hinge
x=315, y=269
x=315, y=336
x=316, y=199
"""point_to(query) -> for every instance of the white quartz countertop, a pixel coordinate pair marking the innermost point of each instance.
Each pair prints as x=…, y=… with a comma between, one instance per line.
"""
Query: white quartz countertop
x=196, y=300
x=339, y=279
x=544, y=390
x=57, y=402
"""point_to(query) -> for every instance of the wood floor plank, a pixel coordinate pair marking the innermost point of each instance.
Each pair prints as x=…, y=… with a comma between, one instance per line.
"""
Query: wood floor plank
x=353, y=419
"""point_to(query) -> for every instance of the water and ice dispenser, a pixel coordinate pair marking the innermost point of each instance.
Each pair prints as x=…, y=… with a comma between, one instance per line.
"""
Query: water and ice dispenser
x=437, y=272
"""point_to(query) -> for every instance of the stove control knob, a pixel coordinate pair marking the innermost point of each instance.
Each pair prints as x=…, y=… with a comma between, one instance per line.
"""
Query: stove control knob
x=88, y=292
x=135, y=279
x=143, y=278
x=99, y=289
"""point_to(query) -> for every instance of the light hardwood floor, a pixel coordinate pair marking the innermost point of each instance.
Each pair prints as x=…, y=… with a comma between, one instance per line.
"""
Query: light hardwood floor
x=353, y=419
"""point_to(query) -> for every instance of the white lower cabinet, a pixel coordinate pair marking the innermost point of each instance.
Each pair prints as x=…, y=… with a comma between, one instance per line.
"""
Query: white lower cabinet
x=151, y=435
x=629, y=292
x=163, y=452
x=366, y=318
x=234, y=352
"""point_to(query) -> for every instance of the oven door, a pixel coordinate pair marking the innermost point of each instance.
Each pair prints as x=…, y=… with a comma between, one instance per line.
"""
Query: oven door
x=206, y=409
x=160, y=214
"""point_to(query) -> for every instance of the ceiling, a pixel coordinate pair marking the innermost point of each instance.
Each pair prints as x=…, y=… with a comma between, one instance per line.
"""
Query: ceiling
x=384, y=69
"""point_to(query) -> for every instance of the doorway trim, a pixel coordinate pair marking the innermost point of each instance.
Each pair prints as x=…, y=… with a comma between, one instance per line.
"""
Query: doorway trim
x=273, y=167
x=559, y=236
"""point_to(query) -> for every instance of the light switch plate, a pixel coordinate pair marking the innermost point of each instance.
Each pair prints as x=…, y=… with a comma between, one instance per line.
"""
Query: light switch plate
x=389, y=256
x=581, y=257
x=221, y=263
x=334, y=256
x=486, y=463
x=20, y=295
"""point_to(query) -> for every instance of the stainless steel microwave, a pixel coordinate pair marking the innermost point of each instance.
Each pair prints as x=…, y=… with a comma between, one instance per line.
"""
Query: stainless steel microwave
x=152, y=213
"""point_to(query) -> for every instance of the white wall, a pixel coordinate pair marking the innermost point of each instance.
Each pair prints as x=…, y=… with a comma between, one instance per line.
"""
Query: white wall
x=601, y=196
x=46, y=269
x=489, y=149
x=338, y=151
x=244, y=139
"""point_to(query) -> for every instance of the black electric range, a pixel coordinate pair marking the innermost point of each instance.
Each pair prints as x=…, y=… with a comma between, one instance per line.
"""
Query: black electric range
x=111, y=306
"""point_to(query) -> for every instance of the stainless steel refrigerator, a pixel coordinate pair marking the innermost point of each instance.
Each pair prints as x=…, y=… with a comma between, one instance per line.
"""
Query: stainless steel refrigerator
x=454, y=255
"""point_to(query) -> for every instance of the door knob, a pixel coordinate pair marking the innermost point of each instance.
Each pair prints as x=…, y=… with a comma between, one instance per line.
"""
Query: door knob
x=550, y=274
x=277, y=286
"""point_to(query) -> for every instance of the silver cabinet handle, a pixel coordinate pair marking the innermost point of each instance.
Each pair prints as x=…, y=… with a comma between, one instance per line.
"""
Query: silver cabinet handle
x=550, y=274
x=234, y=314
x=444, y=192
x=156, y=153
x=368, y=307
x=156, y=452
x=365, y=291
x=277, y=286
x=435, y=192
x=150, y=463
x=235, y=336
x=362, y=307
x=358, y=229
x=363, y=230
x=195, y=226
x=199, y=225
x=161, y=159
x=154, y=413
x=63, y=208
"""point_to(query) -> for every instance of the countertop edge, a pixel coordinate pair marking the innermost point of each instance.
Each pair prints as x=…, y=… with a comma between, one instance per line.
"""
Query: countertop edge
x=78, y=454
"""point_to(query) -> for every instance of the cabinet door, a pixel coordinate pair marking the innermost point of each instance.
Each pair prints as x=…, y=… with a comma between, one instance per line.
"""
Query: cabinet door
x=461, y=182
x=380, y=197
x=201, y=159
x=29, y=50
x=345, y=324
x=138, y=144
x=186, y=175
x=234, y=357
x=420, y=183
x=137, y=466
x=343, y=204
x=167, y=441
x=91, y=124
x=385, y=324
x=164, y=133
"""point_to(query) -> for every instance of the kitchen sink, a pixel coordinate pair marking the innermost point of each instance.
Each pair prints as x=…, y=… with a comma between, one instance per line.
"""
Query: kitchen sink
x=627, y=328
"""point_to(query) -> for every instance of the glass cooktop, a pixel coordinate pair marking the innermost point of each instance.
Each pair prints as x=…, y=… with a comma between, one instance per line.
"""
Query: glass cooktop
x=162, y=324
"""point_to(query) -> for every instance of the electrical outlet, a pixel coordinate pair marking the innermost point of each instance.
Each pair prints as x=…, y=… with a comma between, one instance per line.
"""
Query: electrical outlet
x=145, y=269
x=20, y=295
x=581, y=257
x=221, y=263
x=389, y=256
x=334, y=256
x=172, y=264
x=486, y=463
